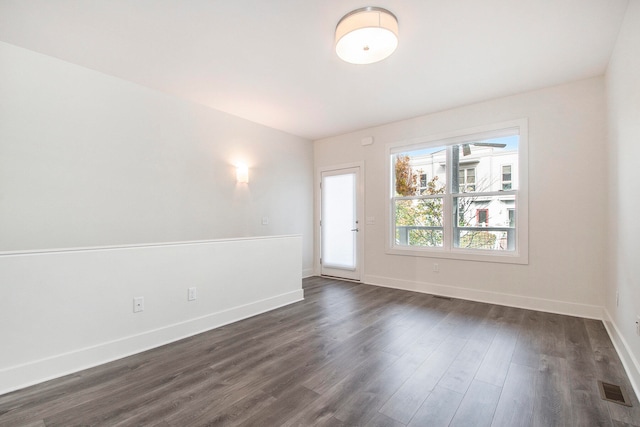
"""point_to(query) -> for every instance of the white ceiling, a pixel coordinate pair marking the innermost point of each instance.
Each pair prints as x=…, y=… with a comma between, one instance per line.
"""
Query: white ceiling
x=272, y=61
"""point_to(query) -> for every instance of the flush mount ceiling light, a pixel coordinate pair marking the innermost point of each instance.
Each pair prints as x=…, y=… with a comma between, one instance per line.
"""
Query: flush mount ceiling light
x=366, y=35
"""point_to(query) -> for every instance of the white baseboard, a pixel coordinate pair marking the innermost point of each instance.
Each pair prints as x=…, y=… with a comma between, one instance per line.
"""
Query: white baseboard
x=629, y=361
x=531, y=303
x=17, y=377
x=307, y=272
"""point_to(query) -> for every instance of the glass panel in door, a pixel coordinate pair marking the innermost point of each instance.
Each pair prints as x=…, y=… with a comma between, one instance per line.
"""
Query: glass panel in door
x=339, y=224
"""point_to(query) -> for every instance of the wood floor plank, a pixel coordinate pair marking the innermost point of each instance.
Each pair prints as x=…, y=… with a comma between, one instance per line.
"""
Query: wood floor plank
x=364, y=403
x=623, y=424
x=330, y=374
x=236, y=414
x=552, y=403
x=427, y=316
x=283, y=408
x=329, y=422
x=477, y=406
x=464, y=367
x=438, y=409
x=327, y=407
x=515, y=407
x=38, y=423
x=380, y=420
x=407, y=400
x=471, y=322
x=348, y=355
x=529, y=344
x=495, y=365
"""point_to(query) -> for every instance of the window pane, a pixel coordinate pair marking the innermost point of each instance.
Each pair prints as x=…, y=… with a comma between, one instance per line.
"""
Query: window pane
x=485, y=222
x=412, y=168
x=419, y=222
x=506, y=173
x=471, y=175
x=485, y=165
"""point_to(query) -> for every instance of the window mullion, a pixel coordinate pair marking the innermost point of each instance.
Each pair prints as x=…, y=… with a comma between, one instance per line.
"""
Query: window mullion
x=447, y=210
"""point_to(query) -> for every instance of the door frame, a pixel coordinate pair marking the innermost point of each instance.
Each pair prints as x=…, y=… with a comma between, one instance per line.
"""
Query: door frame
x=317, y=233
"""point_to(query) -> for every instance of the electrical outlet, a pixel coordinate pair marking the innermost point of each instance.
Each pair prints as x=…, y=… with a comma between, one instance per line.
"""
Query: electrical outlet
x=138, y=304
x=192, y=294
x=436, y=268
x=265, y=220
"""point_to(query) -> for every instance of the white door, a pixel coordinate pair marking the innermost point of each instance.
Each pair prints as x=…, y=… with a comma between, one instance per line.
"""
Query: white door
x=340, y=236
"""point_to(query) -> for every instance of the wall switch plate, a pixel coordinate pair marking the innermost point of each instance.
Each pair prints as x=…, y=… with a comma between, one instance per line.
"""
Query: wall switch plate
x=192, y=294
x=436, y=268
x=138, y=304
x=265, y=220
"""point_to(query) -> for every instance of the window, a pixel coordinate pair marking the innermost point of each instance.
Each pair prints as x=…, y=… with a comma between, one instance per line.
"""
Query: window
x=482, y=216
x=467, y=180
x=423, y=182
x=506, y=177
x=458, y=196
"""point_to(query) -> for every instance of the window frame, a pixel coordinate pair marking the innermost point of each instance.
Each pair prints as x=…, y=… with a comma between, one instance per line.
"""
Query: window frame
x=521, y=253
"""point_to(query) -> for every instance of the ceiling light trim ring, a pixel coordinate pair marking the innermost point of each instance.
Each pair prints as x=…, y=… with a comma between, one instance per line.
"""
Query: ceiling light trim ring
x=366, y=9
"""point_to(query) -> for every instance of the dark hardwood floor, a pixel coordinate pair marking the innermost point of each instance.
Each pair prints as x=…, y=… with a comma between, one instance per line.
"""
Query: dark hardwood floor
x=352, y=354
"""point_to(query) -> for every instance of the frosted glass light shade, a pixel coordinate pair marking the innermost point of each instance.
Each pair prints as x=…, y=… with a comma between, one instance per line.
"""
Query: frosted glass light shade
x=366, y=35
x=242, y=174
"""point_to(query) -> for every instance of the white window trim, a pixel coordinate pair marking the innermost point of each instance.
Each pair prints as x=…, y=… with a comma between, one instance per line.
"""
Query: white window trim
x=521, y=254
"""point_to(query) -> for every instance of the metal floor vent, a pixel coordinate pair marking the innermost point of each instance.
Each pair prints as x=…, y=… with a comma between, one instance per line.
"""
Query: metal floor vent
x=441, y=297
x=613, y=393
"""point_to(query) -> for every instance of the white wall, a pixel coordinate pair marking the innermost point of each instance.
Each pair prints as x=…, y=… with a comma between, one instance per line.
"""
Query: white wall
x=623, y=90
x=88, y=160
x=567, y=202
x=66, y=310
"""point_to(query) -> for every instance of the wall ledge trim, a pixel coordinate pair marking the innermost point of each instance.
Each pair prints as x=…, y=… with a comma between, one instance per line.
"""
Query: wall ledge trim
x=143, y=245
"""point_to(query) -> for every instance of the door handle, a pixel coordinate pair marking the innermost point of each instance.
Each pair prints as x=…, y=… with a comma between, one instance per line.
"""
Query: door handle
x=355, y=229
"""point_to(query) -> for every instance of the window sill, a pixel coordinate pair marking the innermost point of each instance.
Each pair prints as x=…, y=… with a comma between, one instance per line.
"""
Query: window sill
x=504, y=258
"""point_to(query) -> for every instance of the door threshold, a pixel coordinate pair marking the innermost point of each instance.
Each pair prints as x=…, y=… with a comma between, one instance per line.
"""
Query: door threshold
x=341, y=278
